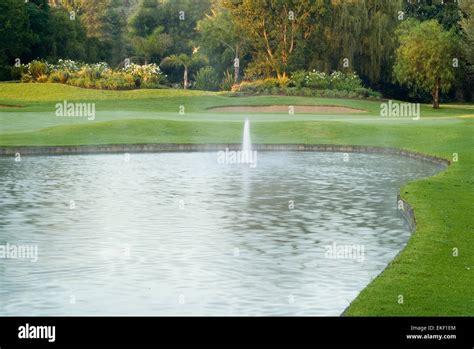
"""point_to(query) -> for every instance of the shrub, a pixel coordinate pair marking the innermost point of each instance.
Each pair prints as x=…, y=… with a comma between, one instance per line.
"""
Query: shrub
x=267, y=84
x=277, y=90
x=37, y=69
x=98, y=75
x=54, y=77
x=99, y=84
x=283, y=82
x=26, y=77
x=317, y=80
x=115, y=81
x=227, y=82
x=88, y=83
x=245, y=86
x=150, y=74
x=334, y=81
x=236, y=87
x=292, y=91
x=42, y=78
x=312, y=84
x=85, y=73
x=59, y=77
x=367, y=93
x=63, y=76
x=347, y=82
x=298, y=79
x=17, y=71
x=206, y=79
x=253, y=88
x=75, y=81
x=67, y=65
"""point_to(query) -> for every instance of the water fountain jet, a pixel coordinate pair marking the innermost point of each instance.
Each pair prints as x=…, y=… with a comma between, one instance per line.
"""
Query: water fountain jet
x=247, y=156
x=246, y=142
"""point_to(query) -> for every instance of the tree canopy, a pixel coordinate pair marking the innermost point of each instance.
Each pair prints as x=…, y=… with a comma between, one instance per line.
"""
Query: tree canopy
x=244, y=39
x=426, y=58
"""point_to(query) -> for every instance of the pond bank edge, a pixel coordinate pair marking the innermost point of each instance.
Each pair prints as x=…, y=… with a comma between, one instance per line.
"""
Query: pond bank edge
x=173, y=147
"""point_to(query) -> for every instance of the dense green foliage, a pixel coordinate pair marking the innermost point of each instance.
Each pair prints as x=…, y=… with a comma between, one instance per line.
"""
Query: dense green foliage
x=207, y=79
x=186, y=63
x=468, y=50
x=446, y=12
x=249, y=39
x=426, y=58
x=309, y=84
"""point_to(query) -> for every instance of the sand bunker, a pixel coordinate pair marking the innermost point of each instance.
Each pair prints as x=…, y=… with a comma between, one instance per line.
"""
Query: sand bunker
x=286, y=108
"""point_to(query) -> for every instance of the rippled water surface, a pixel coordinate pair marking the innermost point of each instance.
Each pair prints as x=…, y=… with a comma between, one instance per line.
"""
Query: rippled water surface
x=178, y=233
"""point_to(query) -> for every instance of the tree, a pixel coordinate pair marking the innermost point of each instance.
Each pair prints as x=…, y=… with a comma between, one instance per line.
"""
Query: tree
x=374, y=60
x=153, y=47
x=177, y=18
x=92, y=13
x=424, y=59
x=66, y=38
x=446, y=12
x=16, y=37
x=105, y=22
x=111, y=31
x=186, y=62
x=352, y=36
x=219, y=34
x=38, y=16
x=467, y=25
x=274, y=28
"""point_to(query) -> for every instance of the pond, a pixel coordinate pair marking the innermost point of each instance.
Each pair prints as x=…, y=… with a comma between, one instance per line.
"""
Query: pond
x=181, y=234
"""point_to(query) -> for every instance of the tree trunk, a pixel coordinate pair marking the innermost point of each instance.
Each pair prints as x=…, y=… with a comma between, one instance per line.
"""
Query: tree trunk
x=236, y=69
x=436, y=94
x=185, y=78
x=236, y=74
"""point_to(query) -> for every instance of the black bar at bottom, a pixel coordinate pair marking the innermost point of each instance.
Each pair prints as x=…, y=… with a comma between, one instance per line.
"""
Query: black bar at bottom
x=63, y=332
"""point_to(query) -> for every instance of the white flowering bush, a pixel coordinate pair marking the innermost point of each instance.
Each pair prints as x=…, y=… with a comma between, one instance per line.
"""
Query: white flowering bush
x=67, y=65
x=334, y=81
x=93, y=71
x=101, y=66
x=95, y=75
x=146, y=73
x=316, y=79
x=36, y=71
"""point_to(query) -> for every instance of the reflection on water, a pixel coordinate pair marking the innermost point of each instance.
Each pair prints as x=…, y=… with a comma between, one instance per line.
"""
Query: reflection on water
x=179, y=233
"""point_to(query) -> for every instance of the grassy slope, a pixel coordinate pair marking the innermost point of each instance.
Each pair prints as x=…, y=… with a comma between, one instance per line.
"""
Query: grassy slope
x=432, y=281
x=43, y=97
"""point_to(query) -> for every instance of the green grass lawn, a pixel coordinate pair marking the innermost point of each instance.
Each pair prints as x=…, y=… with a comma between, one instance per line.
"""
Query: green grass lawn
x=431, y=280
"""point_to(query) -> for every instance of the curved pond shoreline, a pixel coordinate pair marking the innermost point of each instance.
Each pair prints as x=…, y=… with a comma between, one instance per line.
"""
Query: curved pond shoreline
x=175, y=147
